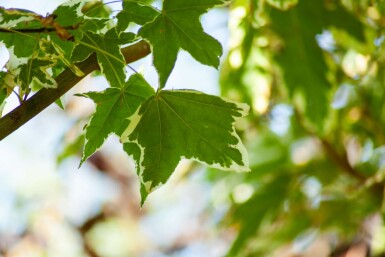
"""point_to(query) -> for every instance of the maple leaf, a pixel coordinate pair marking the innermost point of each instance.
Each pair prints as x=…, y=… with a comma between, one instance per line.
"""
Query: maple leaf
x=36, y=70
x=17, y=18
x=110, y=59
x=53, y=51
x=300, y=46
x=23, y=44
x=178, y=26
x=172, y=125
x=134, y=12
x=114, y=106
x=69, y=13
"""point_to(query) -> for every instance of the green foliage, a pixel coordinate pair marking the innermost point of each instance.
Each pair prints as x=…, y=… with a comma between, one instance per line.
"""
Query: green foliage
x=36, y=69
x=111, y=60
x=165, y=126
x=113, y=107
x=177, y=26
x=135, y=12
x=172, y=125
x=312, y=72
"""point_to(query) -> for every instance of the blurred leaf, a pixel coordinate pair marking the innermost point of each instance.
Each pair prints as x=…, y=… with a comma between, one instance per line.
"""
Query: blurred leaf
x=283, y=4
x=96, y=9
x=264, y=204
x=301, y=59
x=73, y=148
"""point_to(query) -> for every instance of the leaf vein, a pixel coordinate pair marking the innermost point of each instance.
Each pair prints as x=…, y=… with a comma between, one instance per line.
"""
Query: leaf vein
x=194, y=130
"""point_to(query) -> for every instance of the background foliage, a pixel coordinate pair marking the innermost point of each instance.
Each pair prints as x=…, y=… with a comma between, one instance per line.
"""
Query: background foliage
x=312, y=72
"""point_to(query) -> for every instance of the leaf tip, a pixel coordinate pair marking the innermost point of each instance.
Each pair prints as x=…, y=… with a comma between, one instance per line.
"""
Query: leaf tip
x=81, y=162
x=143, y=194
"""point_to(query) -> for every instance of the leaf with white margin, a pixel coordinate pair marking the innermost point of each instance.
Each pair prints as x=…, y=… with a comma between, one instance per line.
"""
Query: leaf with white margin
x=69, y=13
x=106, y=47
x=36, y=70
x=177, y=124
x=114, y=106
x=134, y=11
x=17, y=18
x=177, y=26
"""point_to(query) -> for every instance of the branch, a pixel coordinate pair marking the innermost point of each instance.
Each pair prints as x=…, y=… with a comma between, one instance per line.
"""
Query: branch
x=66, y=80
x=340, y=159
x=34, y=30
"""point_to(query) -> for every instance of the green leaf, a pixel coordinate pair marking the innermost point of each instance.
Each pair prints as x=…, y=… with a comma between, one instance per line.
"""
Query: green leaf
x=59, y=103
x=282, y=4
x=122, y=38
x=134, y=12
x=96, y=9
x=7, y=78
x=69, y=13
x=70, y=149
x=172, y=125
x=59, y=50
x=23, y=43
x=18, y=18
x=3, y=96
x=93, y=25
x=178, y=26
x=110, y=59
x=114, y=106
x=302, y=60
x=36, y=70
x=262, y=206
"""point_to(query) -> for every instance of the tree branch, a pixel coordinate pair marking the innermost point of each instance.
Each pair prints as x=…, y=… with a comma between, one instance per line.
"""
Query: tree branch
x=34, y=30
x=340, y=159
x=66, y=80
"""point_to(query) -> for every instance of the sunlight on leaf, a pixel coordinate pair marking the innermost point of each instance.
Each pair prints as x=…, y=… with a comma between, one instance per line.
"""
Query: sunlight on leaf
x=114, y=106
x=178, y=26
x=172, y=125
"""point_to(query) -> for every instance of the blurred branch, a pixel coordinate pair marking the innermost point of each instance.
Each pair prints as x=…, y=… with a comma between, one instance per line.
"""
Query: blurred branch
x=66, y=80
x=340, y=159
x=85, y=228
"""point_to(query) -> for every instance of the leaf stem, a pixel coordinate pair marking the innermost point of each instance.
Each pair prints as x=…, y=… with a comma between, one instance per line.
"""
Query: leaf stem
x=65, y=80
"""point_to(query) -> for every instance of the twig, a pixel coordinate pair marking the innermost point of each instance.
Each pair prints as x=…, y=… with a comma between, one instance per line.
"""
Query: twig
x=85, y=228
